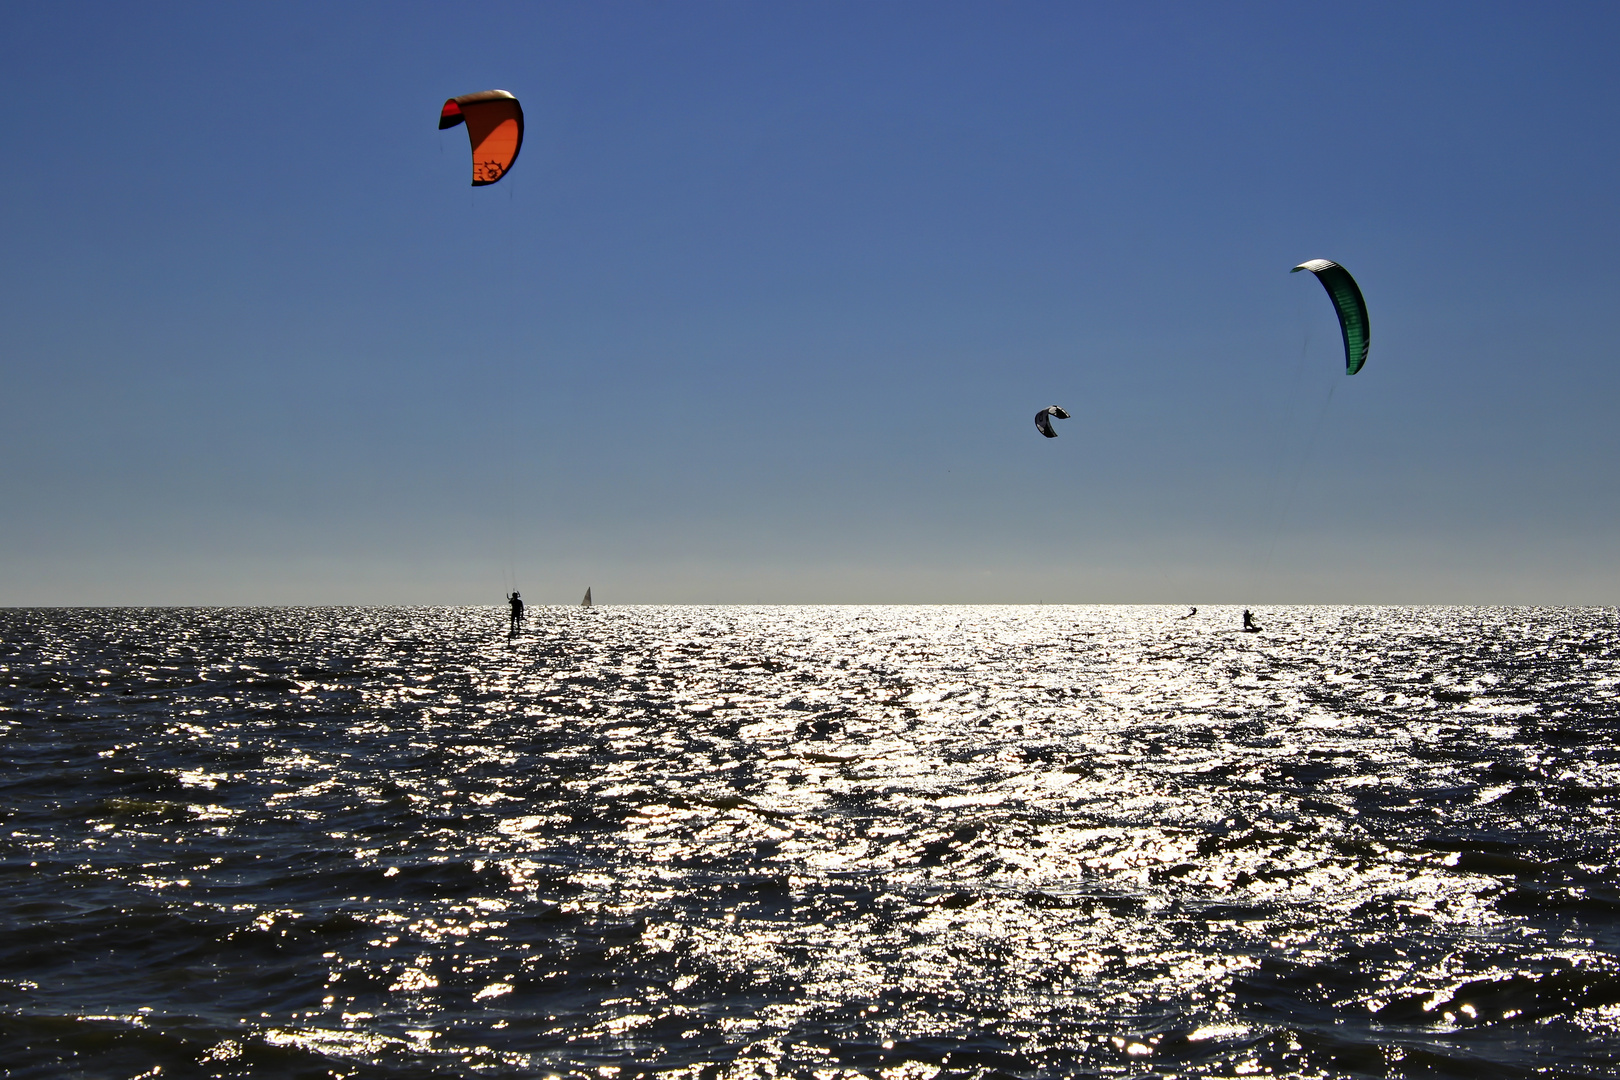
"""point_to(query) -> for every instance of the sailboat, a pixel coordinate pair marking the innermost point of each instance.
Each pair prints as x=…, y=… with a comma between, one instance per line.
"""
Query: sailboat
x=587, y=601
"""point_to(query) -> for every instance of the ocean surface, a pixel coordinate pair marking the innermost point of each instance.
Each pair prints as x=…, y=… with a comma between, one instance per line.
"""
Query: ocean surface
x=830, y=842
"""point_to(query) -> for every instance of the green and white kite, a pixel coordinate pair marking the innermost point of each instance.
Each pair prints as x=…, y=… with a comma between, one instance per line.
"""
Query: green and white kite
x=1352, y=309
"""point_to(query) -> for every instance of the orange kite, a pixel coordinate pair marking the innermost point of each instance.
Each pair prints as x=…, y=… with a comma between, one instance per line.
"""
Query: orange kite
x=495, y=128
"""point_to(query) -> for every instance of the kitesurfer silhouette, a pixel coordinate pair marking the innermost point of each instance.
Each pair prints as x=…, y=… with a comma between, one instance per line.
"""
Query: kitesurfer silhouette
x=516, y=600
x=1248, y=622
x=1190, y=613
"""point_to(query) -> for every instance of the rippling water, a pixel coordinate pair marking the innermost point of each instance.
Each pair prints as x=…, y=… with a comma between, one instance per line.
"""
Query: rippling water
x=833, y=842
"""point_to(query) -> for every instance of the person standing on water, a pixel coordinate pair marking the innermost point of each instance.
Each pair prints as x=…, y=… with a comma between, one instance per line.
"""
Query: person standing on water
x=516, y=600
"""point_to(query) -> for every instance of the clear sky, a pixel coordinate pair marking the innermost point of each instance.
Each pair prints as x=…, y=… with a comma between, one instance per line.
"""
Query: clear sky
x=765, y=309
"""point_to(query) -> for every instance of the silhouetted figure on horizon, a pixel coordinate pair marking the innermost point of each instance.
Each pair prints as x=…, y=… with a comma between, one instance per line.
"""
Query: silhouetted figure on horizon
x=1249, y=625
x=516, y=600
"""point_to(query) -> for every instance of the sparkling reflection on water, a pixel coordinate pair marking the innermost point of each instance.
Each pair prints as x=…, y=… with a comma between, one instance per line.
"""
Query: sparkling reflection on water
x=887, y=842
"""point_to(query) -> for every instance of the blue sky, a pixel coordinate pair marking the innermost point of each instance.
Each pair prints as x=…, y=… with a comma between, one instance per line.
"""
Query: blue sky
x=765, y=308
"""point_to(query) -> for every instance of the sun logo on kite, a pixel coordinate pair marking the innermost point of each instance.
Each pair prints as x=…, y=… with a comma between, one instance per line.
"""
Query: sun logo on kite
x=488, y=171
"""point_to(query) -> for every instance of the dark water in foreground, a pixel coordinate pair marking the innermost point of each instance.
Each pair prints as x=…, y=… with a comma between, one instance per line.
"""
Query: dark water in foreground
x=895, y=843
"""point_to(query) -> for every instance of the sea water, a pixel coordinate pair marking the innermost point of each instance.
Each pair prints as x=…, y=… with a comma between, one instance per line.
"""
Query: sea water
x=896, y=842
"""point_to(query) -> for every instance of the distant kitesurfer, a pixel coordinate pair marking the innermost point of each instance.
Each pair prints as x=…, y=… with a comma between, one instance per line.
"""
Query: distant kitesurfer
x=1248, y=622
x=1190, y=613
x=516, y=600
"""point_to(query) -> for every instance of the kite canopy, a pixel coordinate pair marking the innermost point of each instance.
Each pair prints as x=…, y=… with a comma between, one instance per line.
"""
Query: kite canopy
x=495, y=128
x=1352, y=309
x=1043, y=419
